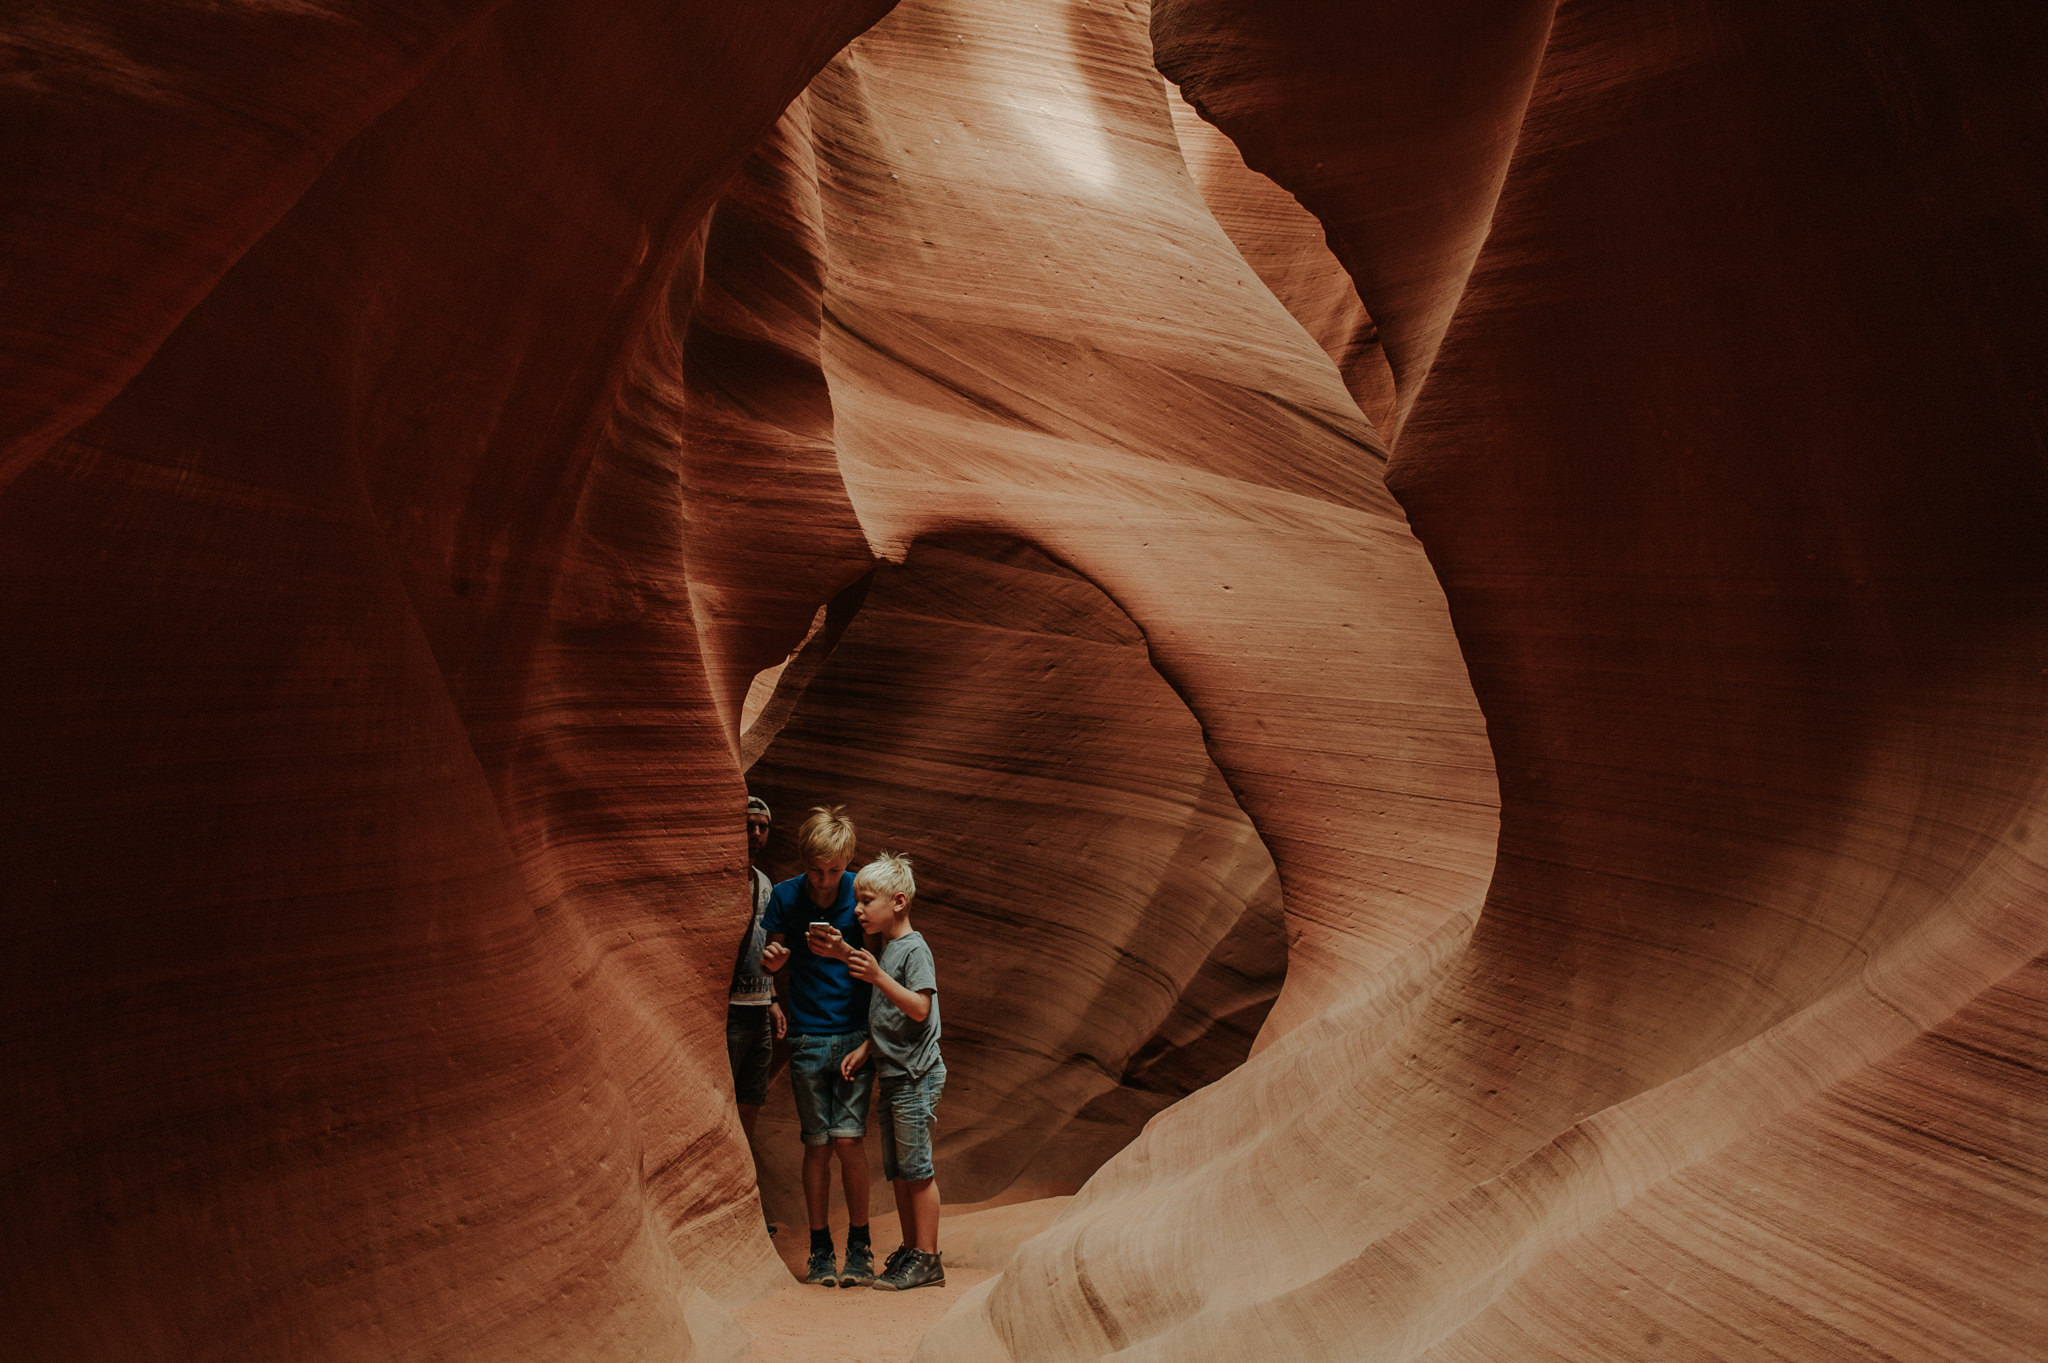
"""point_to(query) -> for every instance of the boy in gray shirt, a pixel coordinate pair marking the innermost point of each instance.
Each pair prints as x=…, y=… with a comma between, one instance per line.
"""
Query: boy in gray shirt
x=903, y=1037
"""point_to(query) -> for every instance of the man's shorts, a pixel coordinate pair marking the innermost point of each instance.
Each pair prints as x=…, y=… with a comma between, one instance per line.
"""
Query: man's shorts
x=750, y=1046
x=828, y=1106
x=906, y=1122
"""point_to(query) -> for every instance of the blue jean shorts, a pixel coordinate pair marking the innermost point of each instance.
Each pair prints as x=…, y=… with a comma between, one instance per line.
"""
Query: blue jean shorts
x=906, y=1122
x=828, y=1106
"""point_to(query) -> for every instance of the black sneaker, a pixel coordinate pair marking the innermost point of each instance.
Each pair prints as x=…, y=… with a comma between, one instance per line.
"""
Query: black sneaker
x=895, y=1258
x=860, y=1265
x=821, y=1271
x=914, y=1269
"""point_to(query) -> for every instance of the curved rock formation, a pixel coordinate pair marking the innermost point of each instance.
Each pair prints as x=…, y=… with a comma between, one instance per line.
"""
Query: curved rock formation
x=370, y=829
x=422, y=432
x=1284, y=243
x=146, y=151
x=1743, y=1056
x=1107, y=920
x=1122, y=394
x=1391, y=122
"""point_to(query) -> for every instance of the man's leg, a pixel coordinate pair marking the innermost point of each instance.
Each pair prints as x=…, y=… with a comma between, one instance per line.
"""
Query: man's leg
x=750, y=1045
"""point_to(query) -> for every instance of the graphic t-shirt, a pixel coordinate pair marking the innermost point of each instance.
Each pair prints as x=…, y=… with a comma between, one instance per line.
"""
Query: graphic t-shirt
x=751, y=986
x=900, y=1044
x=824, y=998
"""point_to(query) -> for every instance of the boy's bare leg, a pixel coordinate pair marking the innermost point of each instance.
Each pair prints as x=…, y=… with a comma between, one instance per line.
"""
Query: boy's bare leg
x=818, y=1184
x=906, y=1213
x=923, y=1195
x=853, y=1173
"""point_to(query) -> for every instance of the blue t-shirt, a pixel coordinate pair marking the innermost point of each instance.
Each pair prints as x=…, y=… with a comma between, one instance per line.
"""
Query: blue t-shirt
x=824, y=998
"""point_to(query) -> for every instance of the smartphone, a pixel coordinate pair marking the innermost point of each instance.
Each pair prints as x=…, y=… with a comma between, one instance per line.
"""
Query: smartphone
x=821, y=927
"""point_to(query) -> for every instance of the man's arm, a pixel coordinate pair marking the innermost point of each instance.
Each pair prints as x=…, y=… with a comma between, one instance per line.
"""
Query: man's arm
x=777, y=1018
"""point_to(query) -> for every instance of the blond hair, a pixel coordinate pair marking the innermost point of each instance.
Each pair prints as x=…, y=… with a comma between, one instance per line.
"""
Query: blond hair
x=827, y=835
x=888, y=873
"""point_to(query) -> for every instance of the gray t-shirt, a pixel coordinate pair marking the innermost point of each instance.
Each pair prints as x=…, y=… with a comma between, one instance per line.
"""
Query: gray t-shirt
x=900, y=1045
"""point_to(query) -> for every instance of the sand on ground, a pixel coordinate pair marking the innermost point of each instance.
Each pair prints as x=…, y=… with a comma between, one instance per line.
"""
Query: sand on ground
x=804, y=1324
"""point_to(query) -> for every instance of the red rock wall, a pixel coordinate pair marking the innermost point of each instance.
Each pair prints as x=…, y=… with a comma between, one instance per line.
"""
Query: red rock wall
x=1036, y=329
x=1106, y=922
x=1730, y=465
x=371, y=832
x=1285, y=244
x=409, y=470
x=996, y=374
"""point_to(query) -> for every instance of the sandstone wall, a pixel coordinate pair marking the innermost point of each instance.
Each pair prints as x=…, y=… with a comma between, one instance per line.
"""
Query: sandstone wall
x=423, y=427
x=1743, y=1057
x=1106, y=921
x=370, y=832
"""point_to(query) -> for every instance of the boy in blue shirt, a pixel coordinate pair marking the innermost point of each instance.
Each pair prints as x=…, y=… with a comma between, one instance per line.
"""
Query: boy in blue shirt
x=808, y=921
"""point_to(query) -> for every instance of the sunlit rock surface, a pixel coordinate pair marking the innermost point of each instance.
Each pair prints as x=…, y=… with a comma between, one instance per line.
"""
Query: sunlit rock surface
x=1744, y=1056
x=424, y=432
x=1108, y=921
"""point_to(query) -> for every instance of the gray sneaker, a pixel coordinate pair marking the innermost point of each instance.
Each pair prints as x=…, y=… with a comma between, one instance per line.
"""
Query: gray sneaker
x=821, y=1271
x=914, y=1269
x=860, y=1265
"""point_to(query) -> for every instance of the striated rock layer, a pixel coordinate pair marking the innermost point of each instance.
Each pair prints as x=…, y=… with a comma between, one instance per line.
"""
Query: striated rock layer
x=1107, y=921
x=1119, y=392
x=374, y=867
x=428, y=437
x=370, y=830
x=1743, y=1057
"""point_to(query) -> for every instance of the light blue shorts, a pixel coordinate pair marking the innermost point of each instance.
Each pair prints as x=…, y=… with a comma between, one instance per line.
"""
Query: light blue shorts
x=906, y=1121
x=827, y=1106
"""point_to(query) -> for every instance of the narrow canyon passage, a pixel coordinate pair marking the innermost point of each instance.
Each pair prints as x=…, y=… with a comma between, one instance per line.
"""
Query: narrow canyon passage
x=1107, y=921
x=1450, y=600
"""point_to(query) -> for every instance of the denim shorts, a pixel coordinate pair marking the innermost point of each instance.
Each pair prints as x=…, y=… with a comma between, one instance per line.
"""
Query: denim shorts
x=828, y=1106
x=906, y=1122
x=750, y=1047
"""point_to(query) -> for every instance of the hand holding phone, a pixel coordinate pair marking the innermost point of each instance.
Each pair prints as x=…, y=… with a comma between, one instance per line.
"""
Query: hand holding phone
x=826, y=941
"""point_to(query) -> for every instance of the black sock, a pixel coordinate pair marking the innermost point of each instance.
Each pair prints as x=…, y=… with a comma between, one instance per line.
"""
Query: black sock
x=857, y=1235
x=821, y=1239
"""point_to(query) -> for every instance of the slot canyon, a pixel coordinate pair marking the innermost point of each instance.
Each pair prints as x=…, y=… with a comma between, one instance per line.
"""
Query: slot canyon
x=1451, y=601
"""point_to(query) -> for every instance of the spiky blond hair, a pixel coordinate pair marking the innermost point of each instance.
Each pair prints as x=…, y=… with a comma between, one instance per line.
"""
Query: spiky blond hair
x=888, y=873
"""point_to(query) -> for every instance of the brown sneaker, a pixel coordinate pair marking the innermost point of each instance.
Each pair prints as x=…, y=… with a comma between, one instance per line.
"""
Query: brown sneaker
x=914, y=1269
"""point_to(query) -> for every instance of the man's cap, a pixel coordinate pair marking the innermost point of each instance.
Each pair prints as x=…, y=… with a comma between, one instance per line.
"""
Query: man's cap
x=757, y=805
